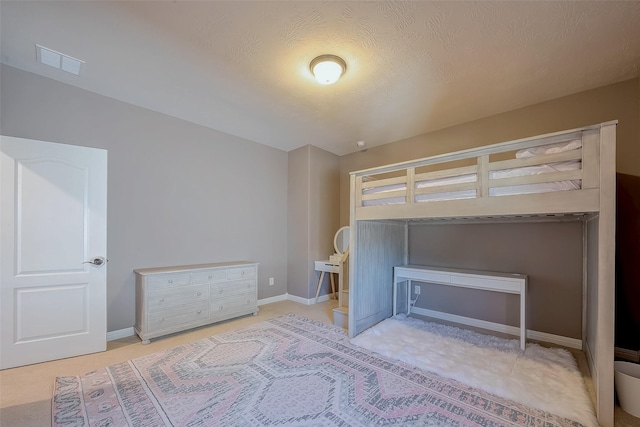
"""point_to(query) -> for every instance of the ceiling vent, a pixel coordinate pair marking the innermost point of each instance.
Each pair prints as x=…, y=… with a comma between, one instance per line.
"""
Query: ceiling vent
x=58, y=60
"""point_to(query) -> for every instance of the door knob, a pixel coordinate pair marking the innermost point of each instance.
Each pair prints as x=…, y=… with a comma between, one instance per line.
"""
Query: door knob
x=97, y=261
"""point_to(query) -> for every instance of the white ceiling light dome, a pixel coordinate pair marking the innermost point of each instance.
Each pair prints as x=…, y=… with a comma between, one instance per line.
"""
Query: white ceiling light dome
x=327, y=69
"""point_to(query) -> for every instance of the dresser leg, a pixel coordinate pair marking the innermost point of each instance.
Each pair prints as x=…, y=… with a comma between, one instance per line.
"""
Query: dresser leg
x=145, y=342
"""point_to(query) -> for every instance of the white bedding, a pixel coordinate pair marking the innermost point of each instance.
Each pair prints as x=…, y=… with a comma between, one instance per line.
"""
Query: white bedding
x=470, y=194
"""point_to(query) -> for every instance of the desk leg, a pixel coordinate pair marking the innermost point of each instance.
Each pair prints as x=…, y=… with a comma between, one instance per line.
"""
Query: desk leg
x=395, y=297
x=333, y=286
x=319, y=285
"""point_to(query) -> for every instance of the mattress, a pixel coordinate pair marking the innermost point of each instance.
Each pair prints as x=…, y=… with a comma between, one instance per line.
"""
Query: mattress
x=544, y=187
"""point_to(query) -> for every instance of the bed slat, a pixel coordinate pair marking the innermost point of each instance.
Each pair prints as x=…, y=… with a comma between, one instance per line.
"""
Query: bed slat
x=536, y=179
x=447, y=173
x=382, y=182
x=385, y=195
x=536, y=160
x=446, y=188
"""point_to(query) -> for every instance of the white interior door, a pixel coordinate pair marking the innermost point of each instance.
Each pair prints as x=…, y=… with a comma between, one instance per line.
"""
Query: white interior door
x=53, y=206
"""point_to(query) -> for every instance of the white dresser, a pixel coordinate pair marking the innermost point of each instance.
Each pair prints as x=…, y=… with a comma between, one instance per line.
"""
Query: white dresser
x=173, y=299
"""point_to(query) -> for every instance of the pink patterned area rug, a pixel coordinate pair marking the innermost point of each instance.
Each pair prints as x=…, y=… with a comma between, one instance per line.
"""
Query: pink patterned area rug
x=287, y=371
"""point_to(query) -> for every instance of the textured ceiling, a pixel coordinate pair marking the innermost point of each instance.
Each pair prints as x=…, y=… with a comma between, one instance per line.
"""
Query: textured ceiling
x=413, y=67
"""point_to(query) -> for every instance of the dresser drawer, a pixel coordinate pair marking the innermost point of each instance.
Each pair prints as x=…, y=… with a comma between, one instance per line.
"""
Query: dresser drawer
x=163, y=281
x=158, y=300
x=232, y=304
x=241, y=273
x=223, y=290
x=176, y=316
x=209, y=276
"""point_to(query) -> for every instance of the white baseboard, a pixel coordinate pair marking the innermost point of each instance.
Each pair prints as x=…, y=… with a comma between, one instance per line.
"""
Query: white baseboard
x=322, y=298
x=307, y=301
x=120, y=333
x=498, y=327
x=626, y=354
x=300, y=300
x=270, y=300
x=555, y=339
x=294, y=298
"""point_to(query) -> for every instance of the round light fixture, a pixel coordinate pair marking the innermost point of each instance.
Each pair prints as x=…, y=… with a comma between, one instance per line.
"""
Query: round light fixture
x=327, y=69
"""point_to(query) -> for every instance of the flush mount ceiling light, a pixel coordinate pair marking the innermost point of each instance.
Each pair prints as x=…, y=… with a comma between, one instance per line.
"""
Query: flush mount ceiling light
x=328, y=68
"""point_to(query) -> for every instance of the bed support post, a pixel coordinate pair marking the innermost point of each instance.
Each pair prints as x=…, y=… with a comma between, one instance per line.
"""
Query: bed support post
x=355, y=200
x=604, y=345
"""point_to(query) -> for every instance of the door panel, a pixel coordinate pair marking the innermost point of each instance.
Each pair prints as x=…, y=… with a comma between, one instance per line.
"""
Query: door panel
x=53, y=220
x=40, y=233
x=36, y=320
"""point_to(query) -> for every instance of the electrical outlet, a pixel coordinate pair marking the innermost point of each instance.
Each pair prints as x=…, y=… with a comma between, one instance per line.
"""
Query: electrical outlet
x=417, y=289
x=271, y=282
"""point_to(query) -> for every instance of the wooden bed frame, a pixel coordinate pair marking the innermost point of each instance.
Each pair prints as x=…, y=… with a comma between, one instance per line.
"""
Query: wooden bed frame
x=379, y=234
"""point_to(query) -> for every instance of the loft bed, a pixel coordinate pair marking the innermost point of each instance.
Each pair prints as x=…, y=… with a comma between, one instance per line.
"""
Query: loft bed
x=570, y=173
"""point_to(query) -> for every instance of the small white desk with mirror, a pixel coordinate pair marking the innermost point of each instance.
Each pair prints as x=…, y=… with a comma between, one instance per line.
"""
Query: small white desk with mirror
x=332, y=265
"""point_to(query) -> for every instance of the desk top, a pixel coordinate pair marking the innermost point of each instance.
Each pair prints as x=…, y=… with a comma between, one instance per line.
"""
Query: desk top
x=475, y=279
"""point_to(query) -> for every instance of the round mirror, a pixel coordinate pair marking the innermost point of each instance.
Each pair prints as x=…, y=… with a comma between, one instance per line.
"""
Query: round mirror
x=341, y=240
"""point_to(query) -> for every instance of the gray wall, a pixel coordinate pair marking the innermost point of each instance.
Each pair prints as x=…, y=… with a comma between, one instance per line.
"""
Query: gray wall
x=314, y=179
x=178, y=193
x=550, y=253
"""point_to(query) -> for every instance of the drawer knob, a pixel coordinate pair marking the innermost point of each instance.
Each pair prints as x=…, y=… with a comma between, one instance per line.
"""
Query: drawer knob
x=220, y=291
x=211, y=276
x=162, y=320
x=161, y=299
x=221, y=307
x=199, y=293
x=170, y=280
x=242, y=273
x=248, y=301
x=199, y=311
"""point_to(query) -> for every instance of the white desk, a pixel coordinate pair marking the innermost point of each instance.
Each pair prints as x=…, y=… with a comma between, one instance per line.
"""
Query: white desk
x=483, y=280
x=326, y=267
